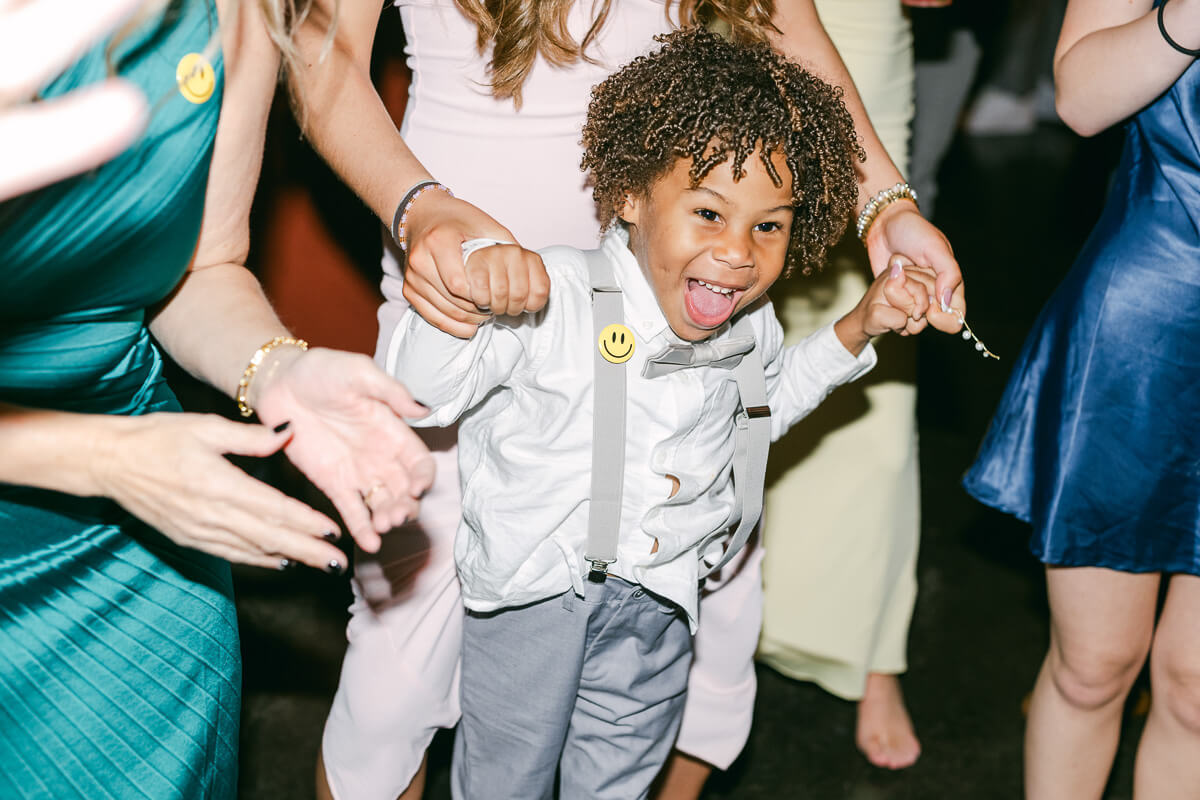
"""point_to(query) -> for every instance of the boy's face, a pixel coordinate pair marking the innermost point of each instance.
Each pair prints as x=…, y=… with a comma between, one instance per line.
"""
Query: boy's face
x=711, y=250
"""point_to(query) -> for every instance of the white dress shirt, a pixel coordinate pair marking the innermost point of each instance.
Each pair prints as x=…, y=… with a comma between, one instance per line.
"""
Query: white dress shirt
x=523, y=390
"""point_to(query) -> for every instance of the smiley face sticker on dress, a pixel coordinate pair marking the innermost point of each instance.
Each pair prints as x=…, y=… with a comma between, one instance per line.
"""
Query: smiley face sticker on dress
x=196, y=78
x=616, y=344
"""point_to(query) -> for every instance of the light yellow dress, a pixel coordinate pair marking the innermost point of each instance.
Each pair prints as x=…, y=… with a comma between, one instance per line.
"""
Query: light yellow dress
x=842, y=512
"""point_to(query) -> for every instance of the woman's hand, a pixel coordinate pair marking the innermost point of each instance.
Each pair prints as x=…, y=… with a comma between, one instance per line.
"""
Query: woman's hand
x=169, y=470
x=349, y=438
x=37, y=40
x=503, y=279
x=901, y=230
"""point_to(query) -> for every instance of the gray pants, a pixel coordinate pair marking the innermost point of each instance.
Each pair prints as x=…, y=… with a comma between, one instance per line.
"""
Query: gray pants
x=593, y=687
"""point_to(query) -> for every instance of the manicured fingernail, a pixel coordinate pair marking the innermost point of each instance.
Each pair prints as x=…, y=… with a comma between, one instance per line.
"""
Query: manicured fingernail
x=283, y=426
x=335, y=567
x=946, y=299
x=895, y=270
x=331, y=536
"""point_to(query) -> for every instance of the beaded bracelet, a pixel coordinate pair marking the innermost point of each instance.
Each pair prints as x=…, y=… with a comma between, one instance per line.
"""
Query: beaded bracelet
x=251, y=370
x=1162, y=28
x=969, y=334
x=400, y=218
x=901, y=191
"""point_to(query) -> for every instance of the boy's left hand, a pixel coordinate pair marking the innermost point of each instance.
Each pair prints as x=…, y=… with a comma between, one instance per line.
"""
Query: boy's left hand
x=898, y=300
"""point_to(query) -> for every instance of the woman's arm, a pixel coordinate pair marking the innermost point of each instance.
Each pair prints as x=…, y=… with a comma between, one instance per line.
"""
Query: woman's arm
x=343, y=117
x=899, y=228
x=1112, y=61
x=346, y=431
x=169, y=470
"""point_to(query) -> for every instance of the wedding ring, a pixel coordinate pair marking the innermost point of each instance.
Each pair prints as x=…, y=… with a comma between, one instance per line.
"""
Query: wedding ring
x=369, y=493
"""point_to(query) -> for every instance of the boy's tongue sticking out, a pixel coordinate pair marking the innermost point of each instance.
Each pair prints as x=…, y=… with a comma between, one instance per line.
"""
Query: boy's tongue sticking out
x=709, y=249
x=708, y=304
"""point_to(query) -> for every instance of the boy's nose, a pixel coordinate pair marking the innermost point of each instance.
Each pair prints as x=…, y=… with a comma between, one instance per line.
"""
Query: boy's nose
x=733, y=248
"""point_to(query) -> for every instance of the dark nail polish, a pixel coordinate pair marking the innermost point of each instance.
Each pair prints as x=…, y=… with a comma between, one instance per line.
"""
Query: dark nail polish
x=335, y=567
x=283, y=426
x=331, y=536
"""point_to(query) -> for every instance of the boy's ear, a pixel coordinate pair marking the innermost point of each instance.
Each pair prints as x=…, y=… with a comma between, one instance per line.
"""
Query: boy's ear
x=630, y=210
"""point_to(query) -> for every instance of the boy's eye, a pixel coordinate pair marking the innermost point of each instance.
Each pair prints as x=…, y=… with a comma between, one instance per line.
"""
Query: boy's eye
x=767, y=227
x=707, y=214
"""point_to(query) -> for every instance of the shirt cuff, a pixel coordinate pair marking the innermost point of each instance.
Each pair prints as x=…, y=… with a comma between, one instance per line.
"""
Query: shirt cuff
x=837, y=364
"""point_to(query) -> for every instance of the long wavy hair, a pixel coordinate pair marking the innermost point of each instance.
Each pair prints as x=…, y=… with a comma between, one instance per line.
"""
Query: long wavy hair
x=518, y=31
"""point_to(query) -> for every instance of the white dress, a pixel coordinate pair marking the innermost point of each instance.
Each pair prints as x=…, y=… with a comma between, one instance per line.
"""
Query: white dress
x=841, y=573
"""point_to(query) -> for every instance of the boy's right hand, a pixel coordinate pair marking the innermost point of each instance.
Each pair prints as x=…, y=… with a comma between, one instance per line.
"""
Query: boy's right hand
x=897, y=301
x=502, y=279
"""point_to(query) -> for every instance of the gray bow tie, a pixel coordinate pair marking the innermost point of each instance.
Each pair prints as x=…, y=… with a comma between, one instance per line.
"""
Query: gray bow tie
x=725, y=354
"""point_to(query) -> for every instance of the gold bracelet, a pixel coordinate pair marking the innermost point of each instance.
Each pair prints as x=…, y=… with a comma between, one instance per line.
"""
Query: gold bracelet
x=252, y=369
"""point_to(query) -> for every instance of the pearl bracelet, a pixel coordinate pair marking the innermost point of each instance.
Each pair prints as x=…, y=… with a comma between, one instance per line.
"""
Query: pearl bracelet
x=901, y=191
x=256, y=361
x=400, y=218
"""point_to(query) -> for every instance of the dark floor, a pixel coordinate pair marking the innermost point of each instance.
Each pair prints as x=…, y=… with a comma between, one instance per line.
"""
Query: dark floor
x=1016, y=209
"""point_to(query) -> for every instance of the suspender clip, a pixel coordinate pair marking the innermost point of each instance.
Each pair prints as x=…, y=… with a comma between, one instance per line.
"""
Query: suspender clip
x=599, y=570
x=756, y=412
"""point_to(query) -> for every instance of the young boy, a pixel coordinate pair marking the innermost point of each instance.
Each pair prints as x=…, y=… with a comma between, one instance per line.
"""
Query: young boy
x=582, y=536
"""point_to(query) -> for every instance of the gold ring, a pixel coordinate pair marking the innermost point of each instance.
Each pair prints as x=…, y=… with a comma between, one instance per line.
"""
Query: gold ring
x=367, y=495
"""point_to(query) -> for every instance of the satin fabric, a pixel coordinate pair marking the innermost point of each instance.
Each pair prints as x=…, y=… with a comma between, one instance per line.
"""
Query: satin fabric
x=120, y=670
x=1096, y=441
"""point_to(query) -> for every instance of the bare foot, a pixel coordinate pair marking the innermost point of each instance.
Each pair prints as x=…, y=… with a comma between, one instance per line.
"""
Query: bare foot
x=885, y=731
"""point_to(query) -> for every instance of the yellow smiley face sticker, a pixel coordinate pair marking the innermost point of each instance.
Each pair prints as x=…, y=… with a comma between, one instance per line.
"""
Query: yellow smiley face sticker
x=196, y=78
x=616, y=344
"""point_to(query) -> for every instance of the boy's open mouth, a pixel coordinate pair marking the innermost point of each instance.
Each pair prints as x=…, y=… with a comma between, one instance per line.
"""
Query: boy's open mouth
x=710, y=304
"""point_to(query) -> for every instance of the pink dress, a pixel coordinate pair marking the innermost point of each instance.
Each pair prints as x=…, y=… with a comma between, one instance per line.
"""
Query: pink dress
x=399, y=678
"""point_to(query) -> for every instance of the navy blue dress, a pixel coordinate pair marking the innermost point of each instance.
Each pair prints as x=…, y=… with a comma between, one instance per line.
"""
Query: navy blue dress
x=1096, y=442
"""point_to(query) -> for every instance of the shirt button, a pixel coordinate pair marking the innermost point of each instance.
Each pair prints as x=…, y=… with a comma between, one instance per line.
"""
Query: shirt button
x=195, y=78
x=639, y=593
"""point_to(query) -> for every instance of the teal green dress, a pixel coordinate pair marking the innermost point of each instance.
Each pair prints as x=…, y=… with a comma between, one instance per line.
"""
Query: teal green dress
x=120, y=673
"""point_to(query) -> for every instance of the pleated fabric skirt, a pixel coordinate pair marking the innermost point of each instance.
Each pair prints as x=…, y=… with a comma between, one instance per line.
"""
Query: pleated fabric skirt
x=120, y=673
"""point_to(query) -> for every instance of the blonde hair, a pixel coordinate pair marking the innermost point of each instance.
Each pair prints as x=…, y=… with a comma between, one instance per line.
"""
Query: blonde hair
x=518, y=31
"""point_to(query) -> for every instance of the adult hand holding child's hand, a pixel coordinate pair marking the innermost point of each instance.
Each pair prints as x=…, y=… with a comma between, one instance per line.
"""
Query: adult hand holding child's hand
x=897, y=301
x=502, y=279
x=900, y=230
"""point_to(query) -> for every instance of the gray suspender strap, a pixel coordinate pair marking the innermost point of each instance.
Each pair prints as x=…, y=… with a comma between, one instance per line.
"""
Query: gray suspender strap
x=752, y=440
x=608, y=423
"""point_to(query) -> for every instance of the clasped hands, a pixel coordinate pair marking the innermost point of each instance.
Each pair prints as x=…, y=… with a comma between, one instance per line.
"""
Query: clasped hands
x=508, y=279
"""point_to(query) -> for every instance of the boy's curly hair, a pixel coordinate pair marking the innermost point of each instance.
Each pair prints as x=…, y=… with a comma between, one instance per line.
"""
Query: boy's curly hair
x=710, y=100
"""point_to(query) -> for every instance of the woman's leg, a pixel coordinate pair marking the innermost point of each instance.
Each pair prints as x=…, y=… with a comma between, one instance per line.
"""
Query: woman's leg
x=1101, y=623
x=399, y=681
x=1168, y=761
x=721, y=685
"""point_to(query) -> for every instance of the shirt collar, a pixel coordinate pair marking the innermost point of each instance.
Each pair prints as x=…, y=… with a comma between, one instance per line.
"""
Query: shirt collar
x=642, y=311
